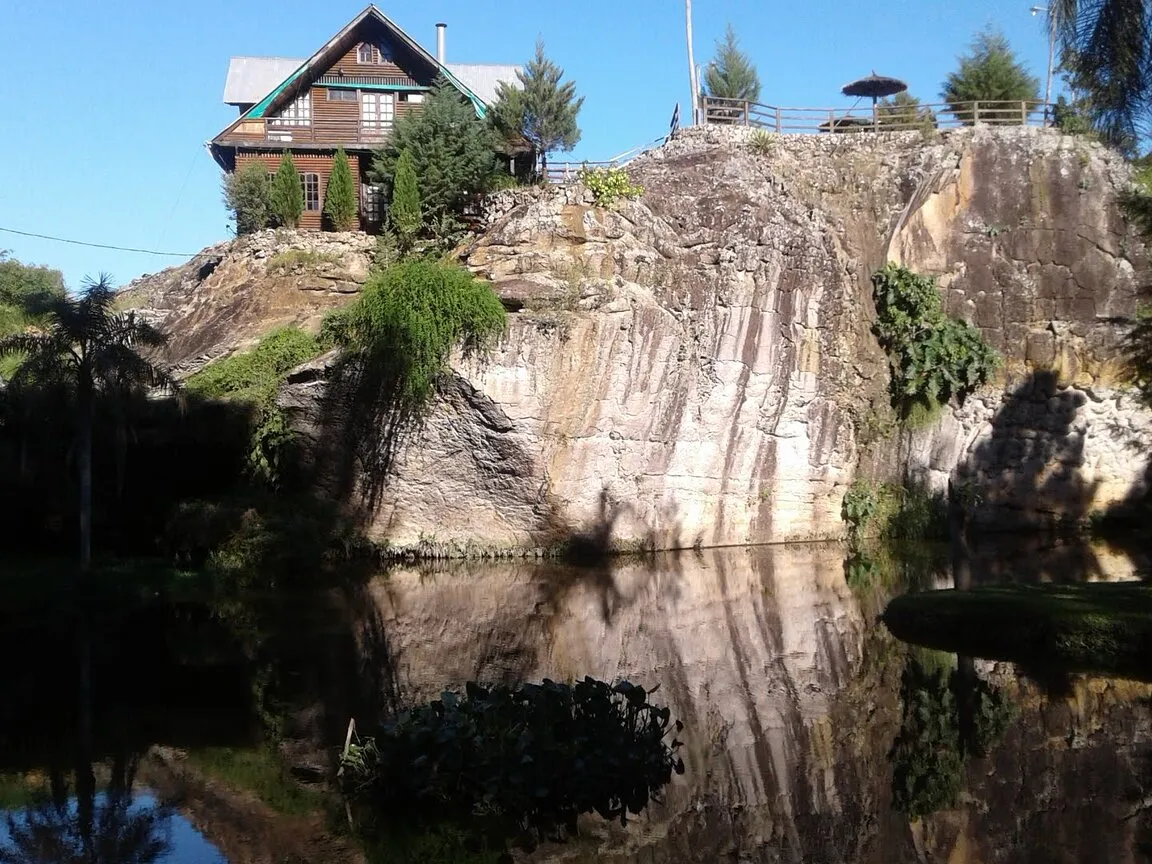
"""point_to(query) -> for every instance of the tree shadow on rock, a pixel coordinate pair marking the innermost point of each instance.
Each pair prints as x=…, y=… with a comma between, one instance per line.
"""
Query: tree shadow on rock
x=592, y=559
x=1028, y=468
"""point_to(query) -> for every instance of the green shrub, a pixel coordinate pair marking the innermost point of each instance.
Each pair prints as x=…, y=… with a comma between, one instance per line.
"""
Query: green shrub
x=409, y=317
x=530, y=757
x=503, y=180
x=762, y=143
x=859, y=507
x=286, y=198
x=254, y=377
x=405, y=216
x=248, y=196
x=609, y=185
x=931, y=358
x=341, y=203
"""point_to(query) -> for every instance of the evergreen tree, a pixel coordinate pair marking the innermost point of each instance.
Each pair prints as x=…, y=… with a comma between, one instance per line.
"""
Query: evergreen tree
x=905, y=111
x=405, y=211
x=541, y=110
x=989, y=72
x=731, y=74
x=287, y=196
x=247, y=195
x=340, y=199
x=451, y=148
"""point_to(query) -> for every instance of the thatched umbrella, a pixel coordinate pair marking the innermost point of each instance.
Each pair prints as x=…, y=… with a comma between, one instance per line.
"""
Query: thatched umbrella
x=876, y=86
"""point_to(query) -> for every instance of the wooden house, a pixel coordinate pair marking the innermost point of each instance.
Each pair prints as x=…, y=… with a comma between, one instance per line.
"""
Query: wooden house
x=348, y=94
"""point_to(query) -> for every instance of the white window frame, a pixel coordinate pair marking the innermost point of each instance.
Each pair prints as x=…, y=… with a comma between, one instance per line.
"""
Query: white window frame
x=373, y=54
x=377, y=109
x=298, y=112
x=304, y=175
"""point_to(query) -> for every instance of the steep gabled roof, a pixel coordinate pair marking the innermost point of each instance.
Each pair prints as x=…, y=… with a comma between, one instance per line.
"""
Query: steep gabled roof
x=331, y=51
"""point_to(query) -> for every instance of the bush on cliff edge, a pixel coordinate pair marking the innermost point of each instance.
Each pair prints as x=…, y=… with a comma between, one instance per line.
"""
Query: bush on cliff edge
x=408, y=319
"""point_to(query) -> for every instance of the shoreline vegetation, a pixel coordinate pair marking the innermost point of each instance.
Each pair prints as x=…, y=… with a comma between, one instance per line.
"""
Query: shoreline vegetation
x=1100, y=628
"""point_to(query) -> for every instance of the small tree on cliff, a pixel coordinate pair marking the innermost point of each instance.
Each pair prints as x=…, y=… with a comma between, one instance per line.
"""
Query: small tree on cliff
x=451, y=148
x=287, y=196
x=340, y=200
x=541, y=110
x=247, y=195
x=989, y=72
x=405, y=214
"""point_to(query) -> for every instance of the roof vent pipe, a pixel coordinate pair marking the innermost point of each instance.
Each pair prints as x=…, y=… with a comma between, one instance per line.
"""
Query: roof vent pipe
x=440, y=52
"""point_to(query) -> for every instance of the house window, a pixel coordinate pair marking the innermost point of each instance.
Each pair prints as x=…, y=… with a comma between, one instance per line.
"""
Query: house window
x=371, y=203
x=310, y=183
x=341, y=95
x=369, y=54
x=377, y=110
x=296, y=113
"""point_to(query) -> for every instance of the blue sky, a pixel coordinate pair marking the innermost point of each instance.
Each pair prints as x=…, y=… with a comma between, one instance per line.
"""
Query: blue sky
x=107, y=103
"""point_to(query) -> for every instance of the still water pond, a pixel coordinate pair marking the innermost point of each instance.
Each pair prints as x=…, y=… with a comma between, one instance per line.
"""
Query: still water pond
x=810, y=733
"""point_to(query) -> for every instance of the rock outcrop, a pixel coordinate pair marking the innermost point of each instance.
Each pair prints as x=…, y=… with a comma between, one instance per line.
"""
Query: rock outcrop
x=696, y=367
x=231, y=294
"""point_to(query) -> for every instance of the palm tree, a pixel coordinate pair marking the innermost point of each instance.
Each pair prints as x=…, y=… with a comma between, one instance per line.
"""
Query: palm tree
x=1106, y=48
x=88, y=347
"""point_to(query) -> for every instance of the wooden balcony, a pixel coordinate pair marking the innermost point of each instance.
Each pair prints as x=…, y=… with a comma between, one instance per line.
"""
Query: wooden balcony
x=317, y=133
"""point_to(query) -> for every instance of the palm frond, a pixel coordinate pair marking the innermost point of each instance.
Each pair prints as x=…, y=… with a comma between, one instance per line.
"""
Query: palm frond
x=26, y=343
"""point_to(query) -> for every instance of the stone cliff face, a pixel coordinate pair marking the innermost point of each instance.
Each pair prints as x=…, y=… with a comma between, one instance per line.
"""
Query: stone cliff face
x=695, y=368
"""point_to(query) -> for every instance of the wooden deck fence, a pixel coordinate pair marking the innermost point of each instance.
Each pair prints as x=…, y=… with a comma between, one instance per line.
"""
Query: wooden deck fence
x=874, y=118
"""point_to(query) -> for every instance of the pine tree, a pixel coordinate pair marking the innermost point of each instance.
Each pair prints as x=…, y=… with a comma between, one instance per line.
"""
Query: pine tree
x=541, y=110
x=451, y=148
x=246, y=194
x=287, y=196
x=731, y=74
x=405, y=211
x=989, y=72
x=340, y=199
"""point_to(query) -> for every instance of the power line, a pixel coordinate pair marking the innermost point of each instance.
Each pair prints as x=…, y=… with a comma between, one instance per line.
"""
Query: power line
x=103, y=245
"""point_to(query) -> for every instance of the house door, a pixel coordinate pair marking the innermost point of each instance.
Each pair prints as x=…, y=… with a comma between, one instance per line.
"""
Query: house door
x=377, y=111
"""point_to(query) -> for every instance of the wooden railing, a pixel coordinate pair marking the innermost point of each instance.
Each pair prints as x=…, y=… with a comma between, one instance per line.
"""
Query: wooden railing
x=277, y=130
x=566, y=172
x=878, y=118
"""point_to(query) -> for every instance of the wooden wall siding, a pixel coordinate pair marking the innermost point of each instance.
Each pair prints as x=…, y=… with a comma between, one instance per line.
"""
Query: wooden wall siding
x=319, y=163
x=404, y=63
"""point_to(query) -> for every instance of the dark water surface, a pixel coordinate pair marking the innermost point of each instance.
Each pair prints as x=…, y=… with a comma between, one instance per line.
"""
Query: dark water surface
x=208, y=727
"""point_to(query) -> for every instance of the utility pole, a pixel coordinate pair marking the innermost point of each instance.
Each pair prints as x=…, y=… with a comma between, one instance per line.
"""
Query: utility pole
x=692, y=81
x=1036, y=10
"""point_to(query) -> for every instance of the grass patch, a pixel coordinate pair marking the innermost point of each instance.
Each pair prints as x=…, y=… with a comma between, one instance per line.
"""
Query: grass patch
x=260, y=772
x=284, y=263
x=254, y=377
x=1102, y=628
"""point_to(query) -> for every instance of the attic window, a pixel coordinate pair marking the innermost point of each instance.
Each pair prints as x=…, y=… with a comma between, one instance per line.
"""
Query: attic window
x=372, y=54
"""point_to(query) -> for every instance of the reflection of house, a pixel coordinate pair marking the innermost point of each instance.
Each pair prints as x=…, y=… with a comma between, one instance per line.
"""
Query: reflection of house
x=346, y=94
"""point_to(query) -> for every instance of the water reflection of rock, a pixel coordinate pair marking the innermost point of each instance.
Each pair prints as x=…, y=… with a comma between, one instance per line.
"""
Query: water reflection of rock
x=790, y=700
x=758, y=651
